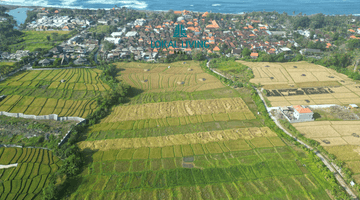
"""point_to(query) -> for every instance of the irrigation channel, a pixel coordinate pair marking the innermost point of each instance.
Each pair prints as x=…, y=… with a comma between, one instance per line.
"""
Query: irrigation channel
x=322, y=158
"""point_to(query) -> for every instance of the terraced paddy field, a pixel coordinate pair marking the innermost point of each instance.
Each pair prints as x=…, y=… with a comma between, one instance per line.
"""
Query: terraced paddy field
x=262, y=167
x=42, y=92
x=188, y=77
x=341, y=138
x=27, y=180
x=303, y=83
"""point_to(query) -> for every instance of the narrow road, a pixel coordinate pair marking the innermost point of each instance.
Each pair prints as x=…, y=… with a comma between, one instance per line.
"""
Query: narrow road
x=322, y=158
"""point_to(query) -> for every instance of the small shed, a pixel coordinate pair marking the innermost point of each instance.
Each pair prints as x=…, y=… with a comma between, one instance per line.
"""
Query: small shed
x=353, y=106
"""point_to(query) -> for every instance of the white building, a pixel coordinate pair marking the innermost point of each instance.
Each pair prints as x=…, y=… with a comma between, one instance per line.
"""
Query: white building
x=131, y=34
x=116, y=34
x=303, y=114
x=113, y=40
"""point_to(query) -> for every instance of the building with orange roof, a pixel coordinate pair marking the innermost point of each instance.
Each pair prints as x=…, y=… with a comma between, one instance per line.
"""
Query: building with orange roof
x=250, y=27
x=191, y=28
x=178, y=12
x=302, y=114
x=185, y=12
x=56, y=11
x=254, y=55
x=350, y=30
x=252, y=35
x=42, y=8
x=147, y=29
x=216, y=48
x=209, y=51
x=256, y=30
x=205, y=14
x=195, y=20
x=262, y=28
x=137, y=26
x=246, y=27
x=189, y=23
x=155, y=50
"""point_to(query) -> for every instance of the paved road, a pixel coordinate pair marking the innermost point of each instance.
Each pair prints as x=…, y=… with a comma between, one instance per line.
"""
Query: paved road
x=322, y=158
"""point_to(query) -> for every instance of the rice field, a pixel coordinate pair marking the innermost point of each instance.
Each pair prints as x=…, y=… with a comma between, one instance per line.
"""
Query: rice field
x=176, y=109
x=74, y=79
x=218, y=170
x=340, y=138
x=45, y=106
x=27, y=180
x=284, y=77
x=66, y=92
x=292, y=73
x=187, y=77
x=184, y=139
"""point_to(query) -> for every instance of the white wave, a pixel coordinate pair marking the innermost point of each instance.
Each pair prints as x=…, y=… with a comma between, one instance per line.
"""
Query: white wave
x=216, y=5
x=191, y=5
x=131, y=4
x=68, y=2
x=356, y=14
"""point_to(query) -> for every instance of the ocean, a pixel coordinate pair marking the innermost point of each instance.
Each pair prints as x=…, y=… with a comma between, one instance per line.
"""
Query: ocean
x=308, y=7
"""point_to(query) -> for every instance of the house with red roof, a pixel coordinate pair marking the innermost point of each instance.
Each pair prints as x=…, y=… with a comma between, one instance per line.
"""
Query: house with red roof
x=303, y=114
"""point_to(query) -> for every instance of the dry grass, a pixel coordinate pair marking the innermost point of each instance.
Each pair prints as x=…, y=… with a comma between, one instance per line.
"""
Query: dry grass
x=160, y=78
x=177, y=109
x=194, y=138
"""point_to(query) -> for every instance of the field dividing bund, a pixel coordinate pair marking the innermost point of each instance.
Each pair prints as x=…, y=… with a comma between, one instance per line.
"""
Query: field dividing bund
x=188, y=77
x=27, y=179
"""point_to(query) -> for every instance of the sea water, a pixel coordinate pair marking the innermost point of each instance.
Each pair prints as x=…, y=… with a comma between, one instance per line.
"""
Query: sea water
x=327, y=7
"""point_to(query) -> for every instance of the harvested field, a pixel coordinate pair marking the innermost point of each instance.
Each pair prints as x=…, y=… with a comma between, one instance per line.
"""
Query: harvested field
x=341, y=138
x=177, y=109
x=160, y=78
x=306, y=82
x=201, y=137
x=337, y=132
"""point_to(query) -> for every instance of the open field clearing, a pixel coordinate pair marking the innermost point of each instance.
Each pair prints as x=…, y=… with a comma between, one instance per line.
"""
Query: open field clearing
x=180, y=139
x=27, y=180
x=198, y=171
x=303, y=83
x=178, y=109
x=37, y=39
x=6, y=67
x=187, y=77
x=45, y=106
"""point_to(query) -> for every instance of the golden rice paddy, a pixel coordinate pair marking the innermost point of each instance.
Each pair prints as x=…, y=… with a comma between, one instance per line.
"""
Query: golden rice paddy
x=188, y=77
x=177, y=109
x=171, y=140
